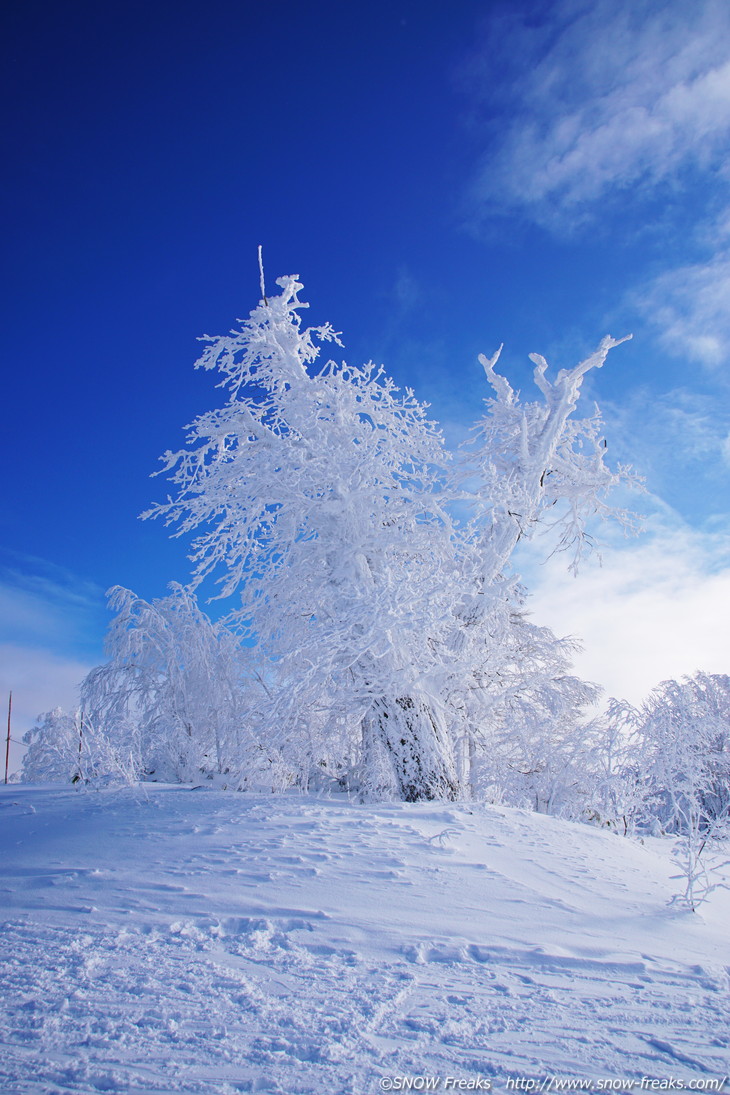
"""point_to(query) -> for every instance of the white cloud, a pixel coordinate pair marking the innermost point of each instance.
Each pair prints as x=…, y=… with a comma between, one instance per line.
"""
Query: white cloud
x=608, y=95
x=691, y=307
x=51, y=627
x=656, y=609
x=39, y=681
x=677, y=439
x=617, y=112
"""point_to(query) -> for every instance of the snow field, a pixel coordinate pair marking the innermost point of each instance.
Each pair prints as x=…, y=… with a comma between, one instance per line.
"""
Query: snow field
x=164, y=939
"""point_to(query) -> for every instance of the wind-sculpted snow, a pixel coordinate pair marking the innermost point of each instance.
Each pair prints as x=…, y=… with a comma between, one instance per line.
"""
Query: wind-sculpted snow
x=168, y=939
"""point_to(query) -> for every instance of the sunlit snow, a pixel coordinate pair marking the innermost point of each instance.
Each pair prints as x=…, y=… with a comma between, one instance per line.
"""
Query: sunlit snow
x=171, y=939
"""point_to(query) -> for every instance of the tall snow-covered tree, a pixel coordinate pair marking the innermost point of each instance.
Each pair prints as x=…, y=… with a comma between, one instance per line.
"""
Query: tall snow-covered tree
x=320, y=489
x=528, y=468
x=533, y=467
x=324, y=498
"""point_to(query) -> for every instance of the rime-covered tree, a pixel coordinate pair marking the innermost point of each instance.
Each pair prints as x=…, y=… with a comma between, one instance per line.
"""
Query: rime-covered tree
x=54, y=749
x=529, y=467
x=683, y=732
x=169, y=703
x=534, y=466
x=324, y=498
x=320, y=491
x=682, y=741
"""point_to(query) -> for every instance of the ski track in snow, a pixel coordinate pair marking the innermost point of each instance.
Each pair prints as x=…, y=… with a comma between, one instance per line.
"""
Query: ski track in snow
x=172, y=940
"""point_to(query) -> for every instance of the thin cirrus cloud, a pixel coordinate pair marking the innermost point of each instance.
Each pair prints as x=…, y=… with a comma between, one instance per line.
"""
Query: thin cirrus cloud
x=673, y=437
x=51, y=628
x=45, y=605
x=613, y=113
x=616, y=95
x=690, y=306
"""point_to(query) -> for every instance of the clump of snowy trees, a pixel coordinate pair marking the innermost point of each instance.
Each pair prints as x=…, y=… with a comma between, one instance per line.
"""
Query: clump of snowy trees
x=377, y=639
x=667, y=770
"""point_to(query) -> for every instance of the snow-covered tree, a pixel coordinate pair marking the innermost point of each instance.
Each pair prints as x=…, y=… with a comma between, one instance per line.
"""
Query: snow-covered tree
x=618, y=787
x=537, y=467
x=54, y=749
x=524, y=713
x=169, y=703
x=321, y=490
x=682, y=735
x=325, y=499
x=529, y=468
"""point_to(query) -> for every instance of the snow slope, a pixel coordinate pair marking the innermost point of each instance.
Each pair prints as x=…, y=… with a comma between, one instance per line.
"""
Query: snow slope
x=164, y=939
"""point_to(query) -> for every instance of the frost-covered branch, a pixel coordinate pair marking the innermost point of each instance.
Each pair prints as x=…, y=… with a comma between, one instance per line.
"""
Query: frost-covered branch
x=533, y=465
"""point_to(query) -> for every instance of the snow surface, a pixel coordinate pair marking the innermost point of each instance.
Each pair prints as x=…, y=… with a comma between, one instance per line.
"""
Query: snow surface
x=166, y=939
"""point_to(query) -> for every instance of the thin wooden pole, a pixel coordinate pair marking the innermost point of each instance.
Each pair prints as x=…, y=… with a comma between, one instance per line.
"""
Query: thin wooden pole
x=7, y=743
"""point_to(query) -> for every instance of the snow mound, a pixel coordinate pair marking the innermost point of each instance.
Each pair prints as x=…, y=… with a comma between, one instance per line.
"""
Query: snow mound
x=163, y=939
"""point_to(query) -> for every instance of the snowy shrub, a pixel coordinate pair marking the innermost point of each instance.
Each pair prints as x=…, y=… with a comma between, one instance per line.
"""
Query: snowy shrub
x=169, y=704
x=54, y=749
x=527, y=743
x=681, y=737
x=618, y=784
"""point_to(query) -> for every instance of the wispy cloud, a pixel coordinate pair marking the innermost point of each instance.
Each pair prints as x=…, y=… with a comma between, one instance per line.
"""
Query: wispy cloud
x=677, y=436
x=43, y=605
x=608, y=95
x=690, y=306
x=407, y=293
x=655, y=610
x=614, y=115
x=51, y=627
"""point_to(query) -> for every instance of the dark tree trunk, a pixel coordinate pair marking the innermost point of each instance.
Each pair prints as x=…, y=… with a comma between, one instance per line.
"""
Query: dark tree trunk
x=406, y=752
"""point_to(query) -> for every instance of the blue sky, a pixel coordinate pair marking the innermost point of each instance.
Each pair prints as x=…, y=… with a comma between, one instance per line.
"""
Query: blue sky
x=443, y=177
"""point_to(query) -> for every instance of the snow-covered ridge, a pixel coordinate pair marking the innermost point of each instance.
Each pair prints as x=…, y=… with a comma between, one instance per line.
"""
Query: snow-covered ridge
x=168, y=939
